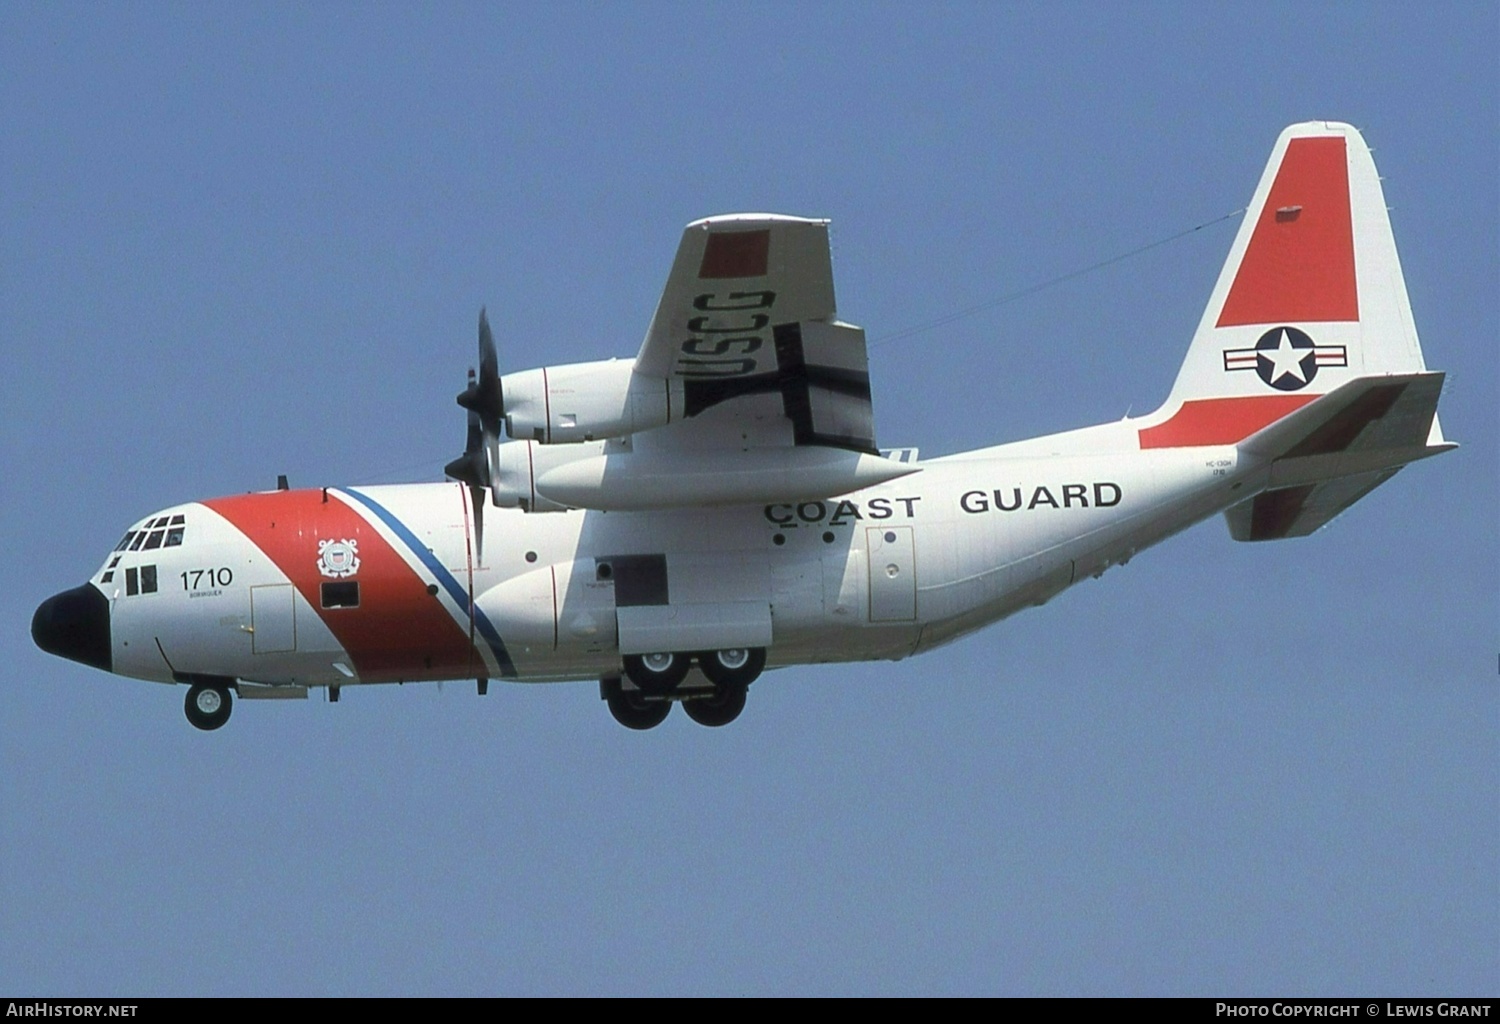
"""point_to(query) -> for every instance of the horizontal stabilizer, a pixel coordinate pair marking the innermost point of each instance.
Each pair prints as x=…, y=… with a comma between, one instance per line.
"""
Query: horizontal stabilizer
x=1327, y=455
x=1298, y=511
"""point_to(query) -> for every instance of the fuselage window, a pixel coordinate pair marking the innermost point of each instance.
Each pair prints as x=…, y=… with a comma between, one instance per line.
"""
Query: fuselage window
x=142, y=581
x=178, y=520
x=174, y=537
x=341, y=595
x=140, y=539
x=153, y=541
x=107, y=576
x=125, y=540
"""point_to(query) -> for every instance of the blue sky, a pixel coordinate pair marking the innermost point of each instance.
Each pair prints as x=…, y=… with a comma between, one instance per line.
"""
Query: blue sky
x=237, y=241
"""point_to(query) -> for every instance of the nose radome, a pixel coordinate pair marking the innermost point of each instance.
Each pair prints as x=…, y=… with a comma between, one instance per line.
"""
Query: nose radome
x=75, y=625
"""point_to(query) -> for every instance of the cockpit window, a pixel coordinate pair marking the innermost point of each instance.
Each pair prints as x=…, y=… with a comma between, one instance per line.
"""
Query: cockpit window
x=140, y=582
x=156, y=532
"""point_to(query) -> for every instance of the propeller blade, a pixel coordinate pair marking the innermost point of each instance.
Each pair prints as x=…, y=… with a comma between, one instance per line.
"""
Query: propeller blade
x=478, y=466
x=485, y=395
x=477, y=496
x=489, y=360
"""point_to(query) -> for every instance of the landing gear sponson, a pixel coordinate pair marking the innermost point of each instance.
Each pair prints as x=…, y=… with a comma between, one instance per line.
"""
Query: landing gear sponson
x=654, y=680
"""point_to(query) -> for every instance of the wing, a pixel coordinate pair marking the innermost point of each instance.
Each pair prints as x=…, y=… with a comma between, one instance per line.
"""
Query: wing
x=747, y=326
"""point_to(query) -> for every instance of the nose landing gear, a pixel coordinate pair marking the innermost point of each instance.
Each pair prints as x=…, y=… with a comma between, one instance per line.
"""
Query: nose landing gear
x=208, y=705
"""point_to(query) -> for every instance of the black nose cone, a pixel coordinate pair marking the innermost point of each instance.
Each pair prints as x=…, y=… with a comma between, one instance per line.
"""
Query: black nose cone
x=75, y=624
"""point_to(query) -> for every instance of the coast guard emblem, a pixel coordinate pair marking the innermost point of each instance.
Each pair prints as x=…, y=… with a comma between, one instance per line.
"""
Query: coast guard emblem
x=338, y=557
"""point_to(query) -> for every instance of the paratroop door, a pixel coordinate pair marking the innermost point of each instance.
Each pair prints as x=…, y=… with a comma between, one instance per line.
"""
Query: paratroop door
x=893, y=576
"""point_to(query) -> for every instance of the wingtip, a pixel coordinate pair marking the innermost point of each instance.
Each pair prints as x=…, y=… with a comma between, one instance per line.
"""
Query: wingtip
x=750, y=219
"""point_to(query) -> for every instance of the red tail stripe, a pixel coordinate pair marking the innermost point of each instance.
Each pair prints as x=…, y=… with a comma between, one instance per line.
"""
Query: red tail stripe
x=1220, y=420
x=1299, y=265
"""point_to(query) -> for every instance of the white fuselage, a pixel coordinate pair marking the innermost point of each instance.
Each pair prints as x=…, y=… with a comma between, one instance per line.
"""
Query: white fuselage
x=403, y=594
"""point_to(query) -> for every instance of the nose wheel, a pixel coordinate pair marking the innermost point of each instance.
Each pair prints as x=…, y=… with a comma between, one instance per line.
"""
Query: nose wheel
x=207, y=705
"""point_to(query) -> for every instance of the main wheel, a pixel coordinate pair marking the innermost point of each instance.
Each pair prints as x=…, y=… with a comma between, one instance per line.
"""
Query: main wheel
x=657, y=673
x=634, y=711
x=720, y=709
x=737, y=666
x=208, y=706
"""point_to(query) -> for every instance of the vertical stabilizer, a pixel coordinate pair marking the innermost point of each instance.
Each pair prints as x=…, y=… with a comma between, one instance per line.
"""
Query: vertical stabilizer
x=1311, y=297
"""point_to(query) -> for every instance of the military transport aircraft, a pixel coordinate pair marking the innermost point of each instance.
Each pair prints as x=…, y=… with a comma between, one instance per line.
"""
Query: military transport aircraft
x=673, y=524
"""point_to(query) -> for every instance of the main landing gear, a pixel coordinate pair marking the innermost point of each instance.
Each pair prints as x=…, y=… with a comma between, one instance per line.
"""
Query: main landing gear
x=657, y=674
x=721, y=706
x=208, y=705
x=632, y=708
x=656, y=678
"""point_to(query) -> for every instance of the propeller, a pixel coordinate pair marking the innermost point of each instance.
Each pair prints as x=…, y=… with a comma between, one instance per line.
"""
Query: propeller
x=486, y=404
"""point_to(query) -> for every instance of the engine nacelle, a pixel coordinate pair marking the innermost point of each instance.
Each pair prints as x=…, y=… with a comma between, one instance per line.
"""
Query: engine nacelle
x=587, y=402
x=521, y=463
